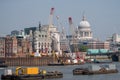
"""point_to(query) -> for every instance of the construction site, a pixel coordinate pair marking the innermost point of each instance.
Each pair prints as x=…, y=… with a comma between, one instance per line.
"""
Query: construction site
x=51, y=44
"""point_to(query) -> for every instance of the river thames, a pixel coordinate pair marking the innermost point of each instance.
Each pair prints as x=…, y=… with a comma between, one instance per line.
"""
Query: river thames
x=67, y=73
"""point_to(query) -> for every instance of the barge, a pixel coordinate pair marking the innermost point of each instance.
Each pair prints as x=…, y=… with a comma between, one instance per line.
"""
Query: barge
x=30, y=73
x=64, y=64
x=96, y=69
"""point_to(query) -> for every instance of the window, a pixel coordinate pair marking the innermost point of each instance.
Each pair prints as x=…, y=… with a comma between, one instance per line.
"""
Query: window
x=39, y=44
x=39, y=35
x=45, y=35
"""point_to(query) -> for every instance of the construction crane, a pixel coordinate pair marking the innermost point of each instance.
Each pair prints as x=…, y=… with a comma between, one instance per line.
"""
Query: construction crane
x=49, y=31
x=72, y=27
x=53, y=34
x=51, y=17
x=63, y=34
x=72, y=32
x=73, y=38
x=61, y=28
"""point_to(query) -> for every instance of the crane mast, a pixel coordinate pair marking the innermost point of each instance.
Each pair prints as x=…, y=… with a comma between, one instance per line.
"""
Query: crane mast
x=51, y=17
x=50, y=22
x=73, y=36
x=53, y=34
x=72, y=29
x=48, y=30
x=62, y=31
x=63, y=34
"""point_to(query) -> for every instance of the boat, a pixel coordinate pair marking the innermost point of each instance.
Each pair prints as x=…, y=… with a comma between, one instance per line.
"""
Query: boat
x=30, y=73
x=64, y=63
x=96, y=69
x=102, y=61
x=56, y=64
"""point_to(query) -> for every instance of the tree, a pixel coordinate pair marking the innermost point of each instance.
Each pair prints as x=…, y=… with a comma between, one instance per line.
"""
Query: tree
x=82, y=48
x=79, y=47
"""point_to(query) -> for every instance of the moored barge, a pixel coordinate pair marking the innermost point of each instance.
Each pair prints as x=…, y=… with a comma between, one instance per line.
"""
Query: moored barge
x=30, y=74
x=96, y=69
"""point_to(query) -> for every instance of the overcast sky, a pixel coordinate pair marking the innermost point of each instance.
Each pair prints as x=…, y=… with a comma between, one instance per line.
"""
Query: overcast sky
x=103, y=15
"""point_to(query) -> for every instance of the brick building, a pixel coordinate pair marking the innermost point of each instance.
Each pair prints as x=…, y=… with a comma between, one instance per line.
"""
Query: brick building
x=10, y=46
x=2, y=47
x=24, y=47
x=98, y=45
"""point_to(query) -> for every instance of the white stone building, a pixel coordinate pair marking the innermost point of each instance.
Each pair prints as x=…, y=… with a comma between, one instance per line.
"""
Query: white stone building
x=114, y=42
x=46, y=39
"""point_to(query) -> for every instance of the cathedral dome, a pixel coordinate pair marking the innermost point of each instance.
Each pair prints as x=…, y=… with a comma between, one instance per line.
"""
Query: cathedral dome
x=84, y=30
x=84, y=23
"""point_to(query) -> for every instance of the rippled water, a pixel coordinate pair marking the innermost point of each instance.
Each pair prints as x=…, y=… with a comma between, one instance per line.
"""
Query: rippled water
x=67, y=73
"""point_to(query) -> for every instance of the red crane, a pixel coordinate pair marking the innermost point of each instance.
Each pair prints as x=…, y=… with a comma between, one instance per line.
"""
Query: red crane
x=74, y=37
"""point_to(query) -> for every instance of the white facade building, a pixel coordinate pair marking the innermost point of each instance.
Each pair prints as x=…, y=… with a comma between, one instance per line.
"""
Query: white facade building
x=114, y=42
x=46, y=39
x=116, y=38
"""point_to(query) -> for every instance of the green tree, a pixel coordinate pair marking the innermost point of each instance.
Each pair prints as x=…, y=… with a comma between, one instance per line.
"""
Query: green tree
x=82, y=48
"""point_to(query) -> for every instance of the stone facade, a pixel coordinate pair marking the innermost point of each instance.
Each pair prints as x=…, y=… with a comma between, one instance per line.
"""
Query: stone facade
x=46, y=39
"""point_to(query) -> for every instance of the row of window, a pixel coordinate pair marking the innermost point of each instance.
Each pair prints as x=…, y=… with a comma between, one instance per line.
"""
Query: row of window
x=45, y=44
x=43, y=36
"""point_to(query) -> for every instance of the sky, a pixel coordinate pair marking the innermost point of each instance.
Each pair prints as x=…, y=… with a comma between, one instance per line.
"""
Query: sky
x=103, y=15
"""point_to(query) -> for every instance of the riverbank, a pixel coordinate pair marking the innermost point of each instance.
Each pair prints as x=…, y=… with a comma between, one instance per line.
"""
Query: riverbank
x=30, y=61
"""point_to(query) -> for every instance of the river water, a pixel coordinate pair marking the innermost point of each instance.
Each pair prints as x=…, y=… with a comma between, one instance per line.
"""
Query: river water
x=67, y=73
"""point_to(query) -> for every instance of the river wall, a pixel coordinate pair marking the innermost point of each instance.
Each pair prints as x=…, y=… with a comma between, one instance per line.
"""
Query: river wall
x=30, y=61
x=27, y=61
